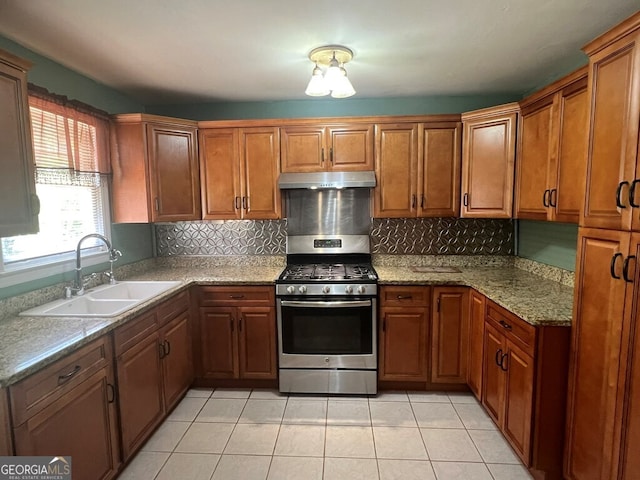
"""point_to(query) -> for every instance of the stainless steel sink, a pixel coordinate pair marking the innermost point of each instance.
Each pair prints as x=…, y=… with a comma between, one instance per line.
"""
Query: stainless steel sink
x=102, y=301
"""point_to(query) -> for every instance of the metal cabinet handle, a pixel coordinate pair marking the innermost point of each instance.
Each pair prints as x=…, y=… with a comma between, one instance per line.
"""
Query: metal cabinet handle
x=619, y=193
x=240, y=324
x=438, y=305
x=112, y=390
x=245, y=203
x=505, y=325
x=404, y=297
x=465, y=200
x=612, y=267
x=498, y=354
x=68, y=376
x=422, y=201
x=167, y=344
x=236, y=203
x=504, y=367
x=236, y=297
x=413, y=201
x=553, y=200
x=322, y=155
x=632, y=193
x=625, y=269
x=157, y=202
x=161, y=350
x=545, y=197
x=331, y=155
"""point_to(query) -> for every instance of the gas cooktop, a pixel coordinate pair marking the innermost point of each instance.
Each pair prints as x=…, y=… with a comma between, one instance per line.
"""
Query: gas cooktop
x=328, y=272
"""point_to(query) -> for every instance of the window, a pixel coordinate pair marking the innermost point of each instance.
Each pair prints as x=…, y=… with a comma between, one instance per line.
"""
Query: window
x=71, y=157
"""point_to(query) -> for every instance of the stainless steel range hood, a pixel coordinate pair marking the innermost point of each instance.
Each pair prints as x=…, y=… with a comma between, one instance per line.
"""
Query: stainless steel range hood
x=320, y=180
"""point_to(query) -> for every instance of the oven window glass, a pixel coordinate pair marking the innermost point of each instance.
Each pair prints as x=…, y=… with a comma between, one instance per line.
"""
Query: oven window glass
x=327, y=331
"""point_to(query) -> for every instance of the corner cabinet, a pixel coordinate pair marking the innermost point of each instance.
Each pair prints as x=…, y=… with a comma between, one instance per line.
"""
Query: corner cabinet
x=612, y=196
x=236, y=332
x=477, y=308
x=449, y=335
x=155, y=169
x=488, y=156
x=404, y=333
x=20, y=205
x=240, y=169
x=319, y=148
x=552, y=146
x=418, y=169
x=69, y=408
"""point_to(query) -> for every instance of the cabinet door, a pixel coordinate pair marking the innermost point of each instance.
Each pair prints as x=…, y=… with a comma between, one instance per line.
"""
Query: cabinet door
x=82, y=423
x=535, y=155
x=403, y=344
x=569, y=178
x=139, y=392
x=493, y=376
x=19, y=212
x=439, y=170
x=488, y=155
x=221, y=193
x=218, y=343
x=476, y=342
x=257, y=342
x=174, y=175
x=450, y=335
x=630, y=462
x=614, y=77
x=302, y=149
x=518, y=400
x=596, y=370
x=350, y=147
x=396, y=155
x=260, y=154
x=177, y=360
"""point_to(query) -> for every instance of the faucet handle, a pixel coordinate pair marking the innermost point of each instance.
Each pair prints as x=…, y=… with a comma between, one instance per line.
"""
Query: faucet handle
x=114, y=254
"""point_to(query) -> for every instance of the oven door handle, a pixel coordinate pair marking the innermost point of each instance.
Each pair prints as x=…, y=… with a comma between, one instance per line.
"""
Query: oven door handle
x=355, y=303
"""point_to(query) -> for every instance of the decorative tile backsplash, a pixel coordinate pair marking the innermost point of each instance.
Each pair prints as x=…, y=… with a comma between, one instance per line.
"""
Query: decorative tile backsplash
x=407, y=236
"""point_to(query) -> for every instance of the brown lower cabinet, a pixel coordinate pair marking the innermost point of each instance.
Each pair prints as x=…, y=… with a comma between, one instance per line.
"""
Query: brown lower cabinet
x=524, y=387
x=154, y=368
x=403, y=333
x=449, y=335
x=68, y=408
x=236, y=332
x=477, y=307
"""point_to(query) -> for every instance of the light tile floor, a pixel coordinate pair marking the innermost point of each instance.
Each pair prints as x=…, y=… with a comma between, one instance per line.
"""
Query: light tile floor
x=261, y=435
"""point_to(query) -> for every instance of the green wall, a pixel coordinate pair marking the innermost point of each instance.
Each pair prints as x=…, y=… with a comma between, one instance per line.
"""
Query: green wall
x=548, y=242
x=135, y=241
x=332, y=108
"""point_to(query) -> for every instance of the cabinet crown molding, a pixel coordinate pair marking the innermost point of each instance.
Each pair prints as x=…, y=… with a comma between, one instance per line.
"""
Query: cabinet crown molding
x=14, y=61
x=485, y=113
x=625, y=27
x=145, y=117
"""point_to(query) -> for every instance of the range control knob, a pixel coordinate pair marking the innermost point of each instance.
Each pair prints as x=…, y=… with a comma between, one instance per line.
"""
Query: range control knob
x=326, y=289
x=348, y=289
x=302, y=289
x=291, y=289
x=362, y=289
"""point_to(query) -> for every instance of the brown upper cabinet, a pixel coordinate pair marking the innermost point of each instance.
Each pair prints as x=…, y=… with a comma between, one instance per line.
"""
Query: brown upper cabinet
x=418, y=169
x=20, y=205
x=611, y=197
x=318, y=148
x=488, y=156
x=155, y=169
x=552, y=151
x=240, y=168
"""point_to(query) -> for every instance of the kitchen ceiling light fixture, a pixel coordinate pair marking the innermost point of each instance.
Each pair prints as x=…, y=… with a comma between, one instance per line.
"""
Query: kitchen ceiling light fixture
x=333, y=79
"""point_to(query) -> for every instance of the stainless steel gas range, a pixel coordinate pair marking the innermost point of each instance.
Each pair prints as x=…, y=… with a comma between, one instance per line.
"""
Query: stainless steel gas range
x=327, y=295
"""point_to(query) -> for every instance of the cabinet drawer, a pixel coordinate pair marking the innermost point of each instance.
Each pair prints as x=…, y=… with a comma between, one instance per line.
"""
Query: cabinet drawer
x=513, y=327
x=134, y=331
x=237, y=295
x=395, y=296
x=36, y=392
x=171, y=308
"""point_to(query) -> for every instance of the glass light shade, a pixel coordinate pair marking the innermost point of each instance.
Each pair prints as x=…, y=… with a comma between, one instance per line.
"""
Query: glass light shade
x=333, y=73
x=342, y=87
x=317, y=86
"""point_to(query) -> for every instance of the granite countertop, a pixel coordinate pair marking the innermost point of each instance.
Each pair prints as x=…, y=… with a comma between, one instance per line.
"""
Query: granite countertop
x=28, y=344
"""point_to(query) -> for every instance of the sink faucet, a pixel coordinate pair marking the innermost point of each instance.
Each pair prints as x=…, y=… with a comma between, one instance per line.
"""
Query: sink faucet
x=78, y=283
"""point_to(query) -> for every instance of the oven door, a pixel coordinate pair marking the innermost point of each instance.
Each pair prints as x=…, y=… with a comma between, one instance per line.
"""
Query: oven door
x=327, y=333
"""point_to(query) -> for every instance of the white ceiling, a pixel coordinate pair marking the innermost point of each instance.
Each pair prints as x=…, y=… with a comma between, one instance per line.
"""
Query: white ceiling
x=183, y=51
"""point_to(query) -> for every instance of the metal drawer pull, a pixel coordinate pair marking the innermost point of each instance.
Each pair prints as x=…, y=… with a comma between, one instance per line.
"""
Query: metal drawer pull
x=236, y=297
x=404, y=297
x=67, y=376
x=505, y=325
x=612, y=267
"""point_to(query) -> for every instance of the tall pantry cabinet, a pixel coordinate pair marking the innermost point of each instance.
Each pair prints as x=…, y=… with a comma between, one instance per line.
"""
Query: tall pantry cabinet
x=603, y=415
